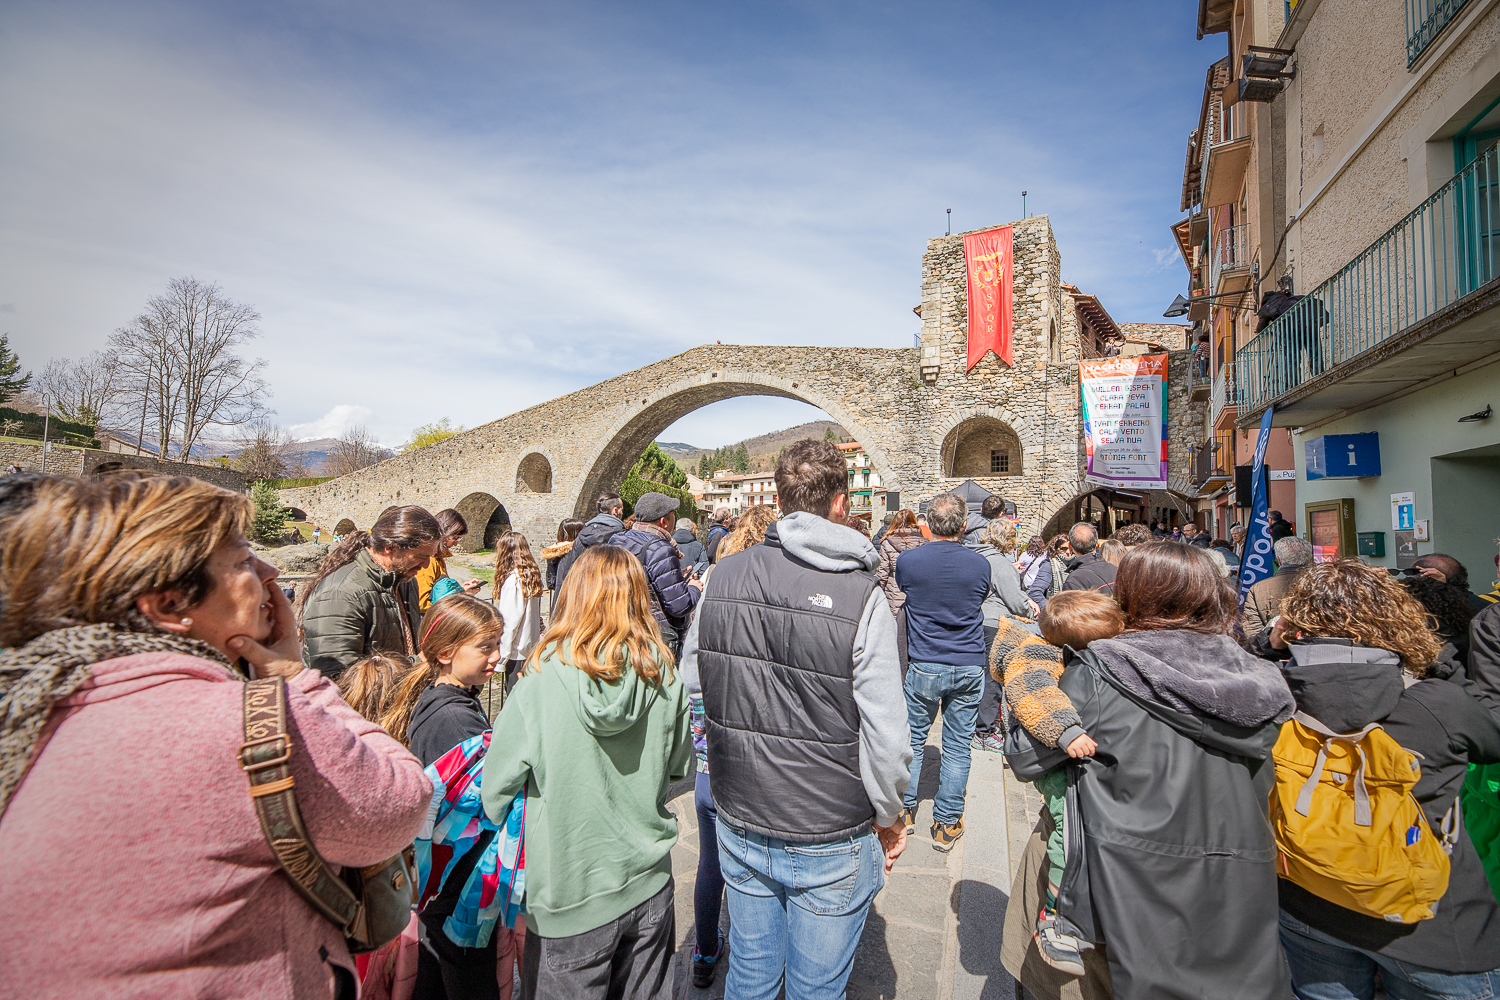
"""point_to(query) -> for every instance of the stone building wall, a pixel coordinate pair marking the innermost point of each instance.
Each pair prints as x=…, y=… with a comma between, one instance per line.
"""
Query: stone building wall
x=907, y=418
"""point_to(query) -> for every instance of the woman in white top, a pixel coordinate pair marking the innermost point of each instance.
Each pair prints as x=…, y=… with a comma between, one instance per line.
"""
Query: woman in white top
x=518, y=590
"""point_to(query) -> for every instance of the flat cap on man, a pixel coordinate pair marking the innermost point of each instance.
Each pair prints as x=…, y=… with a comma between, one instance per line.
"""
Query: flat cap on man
x=654, y=506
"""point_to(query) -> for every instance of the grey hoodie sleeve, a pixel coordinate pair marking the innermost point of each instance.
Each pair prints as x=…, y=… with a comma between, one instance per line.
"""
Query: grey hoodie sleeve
x=884, y=738
x=687, y=663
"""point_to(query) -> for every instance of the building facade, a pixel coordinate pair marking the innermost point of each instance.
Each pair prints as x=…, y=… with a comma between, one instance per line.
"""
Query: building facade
x=1375, y=179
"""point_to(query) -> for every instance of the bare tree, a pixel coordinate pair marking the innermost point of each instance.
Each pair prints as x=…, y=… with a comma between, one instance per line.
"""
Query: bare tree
x=179, y=362
x=263, y=452
x=355, y=449
x=84, y=391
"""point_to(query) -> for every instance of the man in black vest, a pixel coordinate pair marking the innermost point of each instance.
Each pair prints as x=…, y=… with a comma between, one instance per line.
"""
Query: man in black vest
x=794, y=651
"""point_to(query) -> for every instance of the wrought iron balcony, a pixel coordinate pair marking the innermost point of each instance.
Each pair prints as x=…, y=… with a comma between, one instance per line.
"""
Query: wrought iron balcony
x=1425, y=21
x=1444, y=251
x=1223, y=394
x=1230, y=255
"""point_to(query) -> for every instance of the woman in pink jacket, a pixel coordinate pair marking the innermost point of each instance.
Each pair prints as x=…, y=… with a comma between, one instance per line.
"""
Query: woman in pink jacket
x=134, y=611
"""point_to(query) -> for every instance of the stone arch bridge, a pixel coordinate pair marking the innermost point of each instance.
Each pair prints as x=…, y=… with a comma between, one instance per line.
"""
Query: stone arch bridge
x=927, y=421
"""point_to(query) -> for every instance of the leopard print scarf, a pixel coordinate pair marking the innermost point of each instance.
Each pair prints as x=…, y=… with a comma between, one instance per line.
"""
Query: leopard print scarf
x=49, y=668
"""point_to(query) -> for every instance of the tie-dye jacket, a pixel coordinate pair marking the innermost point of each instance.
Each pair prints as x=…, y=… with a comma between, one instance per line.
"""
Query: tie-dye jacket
x=455, y=821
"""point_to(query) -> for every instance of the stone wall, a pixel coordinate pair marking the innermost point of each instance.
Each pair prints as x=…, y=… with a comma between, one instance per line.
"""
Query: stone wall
x=81, y=461
x=550, y=461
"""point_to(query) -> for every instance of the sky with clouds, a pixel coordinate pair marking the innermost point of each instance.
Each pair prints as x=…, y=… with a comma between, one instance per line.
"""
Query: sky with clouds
x=463, y=209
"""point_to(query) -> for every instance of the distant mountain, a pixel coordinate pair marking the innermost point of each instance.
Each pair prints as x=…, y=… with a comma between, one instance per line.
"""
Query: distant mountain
x=763, y=448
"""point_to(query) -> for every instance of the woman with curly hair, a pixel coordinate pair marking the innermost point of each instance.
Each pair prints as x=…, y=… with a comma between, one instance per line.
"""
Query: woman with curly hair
x=749, y=530
x=1357, y=649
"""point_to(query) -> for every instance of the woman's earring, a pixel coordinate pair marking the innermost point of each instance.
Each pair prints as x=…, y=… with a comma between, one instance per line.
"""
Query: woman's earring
x=187, y=621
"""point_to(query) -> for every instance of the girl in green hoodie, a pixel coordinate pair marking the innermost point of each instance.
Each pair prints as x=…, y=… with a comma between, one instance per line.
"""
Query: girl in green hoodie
x=596, y=731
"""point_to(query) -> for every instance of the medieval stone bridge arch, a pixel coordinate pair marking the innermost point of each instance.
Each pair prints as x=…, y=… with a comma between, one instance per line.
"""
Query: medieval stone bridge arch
x=549, y=462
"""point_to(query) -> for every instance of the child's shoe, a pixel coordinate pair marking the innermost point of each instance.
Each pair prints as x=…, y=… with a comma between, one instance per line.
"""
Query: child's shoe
x=908, y=819
x=1061, y=951
x=703, y=968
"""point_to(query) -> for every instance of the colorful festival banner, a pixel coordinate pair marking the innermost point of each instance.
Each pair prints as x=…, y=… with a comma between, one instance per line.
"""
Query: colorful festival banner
x=991, y=268
x=1257, y=562
x=1125, y=420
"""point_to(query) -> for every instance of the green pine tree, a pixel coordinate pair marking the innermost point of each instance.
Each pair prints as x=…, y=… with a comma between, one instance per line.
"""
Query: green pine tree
x=269, y=521
x=828, y=435
x=11, y=383
x=742, y=458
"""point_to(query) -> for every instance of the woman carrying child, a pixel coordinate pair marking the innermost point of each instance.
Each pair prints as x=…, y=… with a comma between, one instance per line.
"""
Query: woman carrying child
x=1176, y=872
x=595, y=732
x=518, y=595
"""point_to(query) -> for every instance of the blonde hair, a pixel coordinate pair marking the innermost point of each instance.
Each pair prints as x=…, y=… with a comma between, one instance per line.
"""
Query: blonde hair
x=457, y=620
x=1001, y=533
x=1345, y=599
x=369, y=686
x=751, y=530
x=513, y=555
x=603, y=620
x=86, y=549
x=1076, y=618
x=1112, y=551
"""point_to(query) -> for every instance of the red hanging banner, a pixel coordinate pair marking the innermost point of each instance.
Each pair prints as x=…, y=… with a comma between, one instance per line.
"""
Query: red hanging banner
x=991, y=274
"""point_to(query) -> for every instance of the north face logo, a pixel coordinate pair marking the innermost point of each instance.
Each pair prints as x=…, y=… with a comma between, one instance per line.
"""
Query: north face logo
x=822, y=601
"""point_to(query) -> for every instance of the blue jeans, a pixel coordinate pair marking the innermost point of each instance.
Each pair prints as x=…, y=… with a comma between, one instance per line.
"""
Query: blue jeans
x=955, y=691
x=708, y=891
x=1325, y=968
x=796, y=909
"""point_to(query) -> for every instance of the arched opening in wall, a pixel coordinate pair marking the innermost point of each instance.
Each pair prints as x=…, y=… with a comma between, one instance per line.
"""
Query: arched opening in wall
x=534, y=474
x=487, y=520
x=295, y=514
x=982, y=448
x=344, y=527
x=699, y=429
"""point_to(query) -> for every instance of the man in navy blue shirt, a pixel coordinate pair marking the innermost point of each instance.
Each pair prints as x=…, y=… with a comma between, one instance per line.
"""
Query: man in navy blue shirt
x=945, y=585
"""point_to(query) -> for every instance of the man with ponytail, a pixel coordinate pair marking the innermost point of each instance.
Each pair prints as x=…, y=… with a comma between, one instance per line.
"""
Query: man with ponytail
x=352, y=608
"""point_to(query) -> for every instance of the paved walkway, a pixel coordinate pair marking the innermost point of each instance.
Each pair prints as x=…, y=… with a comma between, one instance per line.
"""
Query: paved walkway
x=934, y=931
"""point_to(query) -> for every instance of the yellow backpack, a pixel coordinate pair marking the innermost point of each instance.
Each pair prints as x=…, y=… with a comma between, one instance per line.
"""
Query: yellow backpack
x=1347, y=826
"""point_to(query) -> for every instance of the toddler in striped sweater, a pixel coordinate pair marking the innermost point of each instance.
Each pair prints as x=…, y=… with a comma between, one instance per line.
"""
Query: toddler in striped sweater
x=1028, y=669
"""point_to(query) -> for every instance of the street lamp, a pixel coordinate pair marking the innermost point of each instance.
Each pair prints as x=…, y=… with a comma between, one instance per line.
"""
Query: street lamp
x=1179, y=306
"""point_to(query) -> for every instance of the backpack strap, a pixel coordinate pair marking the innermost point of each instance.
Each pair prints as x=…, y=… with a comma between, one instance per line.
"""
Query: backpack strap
x=264, y=757
x=1362, y=814
x=1452, y=822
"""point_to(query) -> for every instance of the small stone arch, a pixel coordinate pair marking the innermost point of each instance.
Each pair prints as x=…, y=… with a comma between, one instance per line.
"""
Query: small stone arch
x=344, y=527
x=534, y=474
x=295, y=513
x=982, y=447
x=487, y=519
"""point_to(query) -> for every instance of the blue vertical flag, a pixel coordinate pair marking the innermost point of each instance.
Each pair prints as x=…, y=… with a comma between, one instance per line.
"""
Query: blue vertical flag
x=1256, y=563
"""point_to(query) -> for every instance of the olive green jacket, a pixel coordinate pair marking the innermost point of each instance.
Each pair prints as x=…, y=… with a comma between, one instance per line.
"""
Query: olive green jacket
x=355, y=611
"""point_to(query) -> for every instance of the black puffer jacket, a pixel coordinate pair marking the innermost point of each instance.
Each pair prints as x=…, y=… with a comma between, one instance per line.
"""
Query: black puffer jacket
x=1090, y=572
x=1176, y=872
x=600, y=529
x=355, y=611
x=693, y=552
x=1346, y=687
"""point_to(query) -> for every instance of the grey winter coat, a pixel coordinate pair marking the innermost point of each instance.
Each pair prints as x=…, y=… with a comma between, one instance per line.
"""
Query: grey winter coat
x=1171, y=862
x=1006, y=597
x=354, y=612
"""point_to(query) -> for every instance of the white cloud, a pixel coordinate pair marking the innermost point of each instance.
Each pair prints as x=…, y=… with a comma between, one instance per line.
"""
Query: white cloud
x=333, y=423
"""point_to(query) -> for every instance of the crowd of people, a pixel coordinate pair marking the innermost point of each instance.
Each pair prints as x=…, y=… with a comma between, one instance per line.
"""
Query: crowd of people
x=1289, y=792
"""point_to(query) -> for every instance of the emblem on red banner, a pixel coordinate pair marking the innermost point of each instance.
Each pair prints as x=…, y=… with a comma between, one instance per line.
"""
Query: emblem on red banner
x=991, y=269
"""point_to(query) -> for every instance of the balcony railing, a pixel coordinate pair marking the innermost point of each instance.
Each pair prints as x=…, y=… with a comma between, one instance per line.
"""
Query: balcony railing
x=1213, y=461
x=1447, y=248
x=1232, y=253
x=1223, y=393
x=1425, y=21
